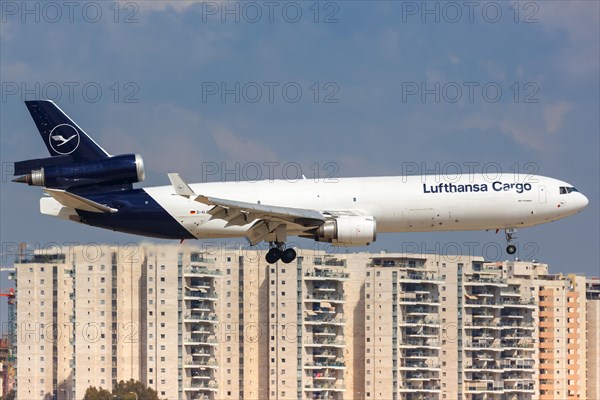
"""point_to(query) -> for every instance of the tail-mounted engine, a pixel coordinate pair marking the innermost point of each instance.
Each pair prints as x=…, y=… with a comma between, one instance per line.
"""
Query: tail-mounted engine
x=57, y=173
x=348, y=231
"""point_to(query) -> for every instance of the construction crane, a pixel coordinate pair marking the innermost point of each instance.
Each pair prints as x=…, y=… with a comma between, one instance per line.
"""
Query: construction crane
x=10, y=297
x=10, y=294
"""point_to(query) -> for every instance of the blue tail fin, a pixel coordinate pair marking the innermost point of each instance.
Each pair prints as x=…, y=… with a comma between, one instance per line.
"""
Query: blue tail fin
x=61, y=135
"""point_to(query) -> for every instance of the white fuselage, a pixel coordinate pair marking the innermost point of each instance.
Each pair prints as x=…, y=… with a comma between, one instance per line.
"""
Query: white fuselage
x=399, y=204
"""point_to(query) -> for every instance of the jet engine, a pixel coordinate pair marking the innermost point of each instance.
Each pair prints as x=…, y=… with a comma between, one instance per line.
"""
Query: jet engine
x=348, y=231
x=116, y=170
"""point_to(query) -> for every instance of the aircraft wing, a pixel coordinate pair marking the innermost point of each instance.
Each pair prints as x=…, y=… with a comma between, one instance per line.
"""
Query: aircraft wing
x=235, y=212
x=72, y=200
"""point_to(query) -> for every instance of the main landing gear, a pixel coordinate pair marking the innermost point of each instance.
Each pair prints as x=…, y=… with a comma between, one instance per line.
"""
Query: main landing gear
x=278, y=252
x=510, y=235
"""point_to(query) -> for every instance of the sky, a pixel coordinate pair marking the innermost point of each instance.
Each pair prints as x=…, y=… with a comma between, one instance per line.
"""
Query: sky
x=234, y=91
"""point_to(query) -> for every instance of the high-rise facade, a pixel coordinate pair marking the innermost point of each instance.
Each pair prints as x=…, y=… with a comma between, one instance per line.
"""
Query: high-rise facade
x=592, y=339
x=226, y=325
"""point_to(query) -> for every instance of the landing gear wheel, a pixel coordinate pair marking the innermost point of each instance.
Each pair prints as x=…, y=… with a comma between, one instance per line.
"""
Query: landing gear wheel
x=510, y=235
x=273, y=255
x=511, y=249
x=288, y=256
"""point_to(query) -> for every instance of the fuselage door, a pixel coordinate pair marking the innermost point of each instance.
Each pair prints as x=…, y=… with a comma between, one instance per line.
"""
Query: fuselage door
x=542, y=193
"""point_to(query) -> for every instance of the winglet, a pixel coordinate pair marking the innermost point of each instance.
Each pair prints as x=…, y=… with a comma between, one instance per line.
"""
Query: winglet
x=181, y=188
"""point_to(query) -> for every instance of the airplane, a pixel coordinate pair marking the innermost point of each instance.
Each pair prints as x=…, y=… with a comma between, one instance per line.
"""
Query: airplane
x=85, y=184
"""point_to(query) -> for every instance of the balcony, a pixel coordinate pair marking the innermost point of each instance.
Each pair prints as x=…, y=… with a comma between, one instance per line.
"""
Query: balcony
x=200, y=271
x=407, y=387
x=520, y=376
x=321, y=342
x=399, y=263
x=200, y=352
x=326, y=356
x=419, y=277
x=200, y=329
x=325, y=288
x=324, y=386
x=429, y=322
x=319, y=331
x=482, y=325
x=204, y=340
x=195, y=386
x=481, y=304
x=414, y=365
x=483, y=345
x=410, y=332
x=485, y=281
x=192, y=295
x=202, y=376
x=420, y=343
x=489, y=367
x=414, y=310
x=201, y=258
x=325, y=365
x=324, y=376
x=418, y=375
x=419, y=354
x=510, y=293
x=325, y=274
x=190, y=318
x=409, y=298
x=520, y=387
x=481, y=389
x=319, y=297
x=517, y=325
x=324, y=319
x=330, y=262
x=523, y=345
x=201, y=306
x=193, y=363
x=530, y=303
x=323, y=308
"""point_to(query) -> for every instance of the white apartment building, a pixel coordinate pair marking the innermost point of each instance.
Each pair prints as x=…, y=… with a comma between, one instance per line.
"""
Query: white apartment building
x=225, y=325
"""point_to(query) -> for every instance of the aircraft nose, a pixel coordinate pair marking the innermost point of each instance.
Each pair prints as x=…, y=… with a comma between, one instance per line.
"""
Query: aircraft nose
x=583, y=201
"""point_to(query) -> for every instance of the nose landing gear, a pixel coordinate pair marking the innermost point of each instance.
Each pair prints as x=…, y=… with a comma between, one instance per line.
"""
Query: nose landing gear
x=279, y=252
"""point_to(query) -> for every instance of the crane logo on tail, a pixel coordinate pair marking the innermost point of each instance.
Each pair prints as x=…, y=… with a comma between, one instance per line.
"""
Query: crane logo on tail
x=64, y=139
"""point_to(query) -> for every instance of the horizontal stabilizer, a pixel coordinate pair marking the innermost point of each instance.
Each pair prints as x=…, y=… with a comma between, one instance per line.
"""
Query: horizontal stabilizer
x=72, y=200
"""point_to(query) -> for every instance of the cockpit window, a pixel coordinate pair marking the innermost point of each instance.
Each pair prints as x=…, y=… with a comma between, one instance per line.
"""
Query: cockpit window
x=567, y=189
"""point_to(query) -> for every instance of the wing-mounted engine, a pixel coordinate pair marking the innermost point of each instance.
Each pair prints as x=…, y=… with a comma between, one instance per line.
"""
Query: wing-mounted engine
x=57, y=173
x=348, y=231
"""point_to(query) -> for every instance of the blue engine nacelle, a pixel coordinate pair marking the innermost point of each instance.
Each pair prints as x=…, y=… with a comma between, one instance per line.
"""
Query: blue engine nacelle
x=116, y=170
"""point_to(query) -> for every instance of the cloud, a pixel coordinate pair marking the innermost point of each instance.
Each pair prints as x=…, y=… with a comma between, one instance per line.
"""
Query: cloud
x=454, y=59
x=579, y=20
x=554, y=115
x=534, y=127
x=496, y=72
x=5, y=31
x=161, y=6
x=241, y=149
x=170, y=138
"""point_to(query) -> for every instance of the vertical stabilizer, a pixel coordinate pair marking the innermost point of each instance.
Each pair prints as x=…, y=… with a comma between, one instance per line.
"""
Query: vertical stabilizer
x=61, y=135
